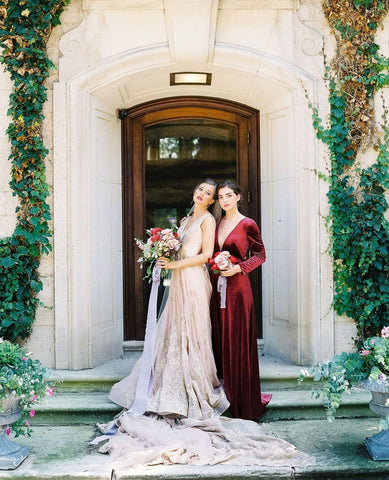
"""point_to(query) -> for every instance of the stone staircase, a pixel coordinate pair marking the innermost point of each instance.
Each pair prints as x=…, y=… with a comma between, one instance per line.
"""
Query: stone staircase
x=81, y=397
x=65, y=423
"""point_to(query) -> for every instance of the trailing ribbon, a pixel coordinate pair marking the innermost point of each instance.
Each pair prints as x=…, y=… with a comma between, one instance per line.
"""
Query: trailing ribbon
x=145, y=378
x=222, y=289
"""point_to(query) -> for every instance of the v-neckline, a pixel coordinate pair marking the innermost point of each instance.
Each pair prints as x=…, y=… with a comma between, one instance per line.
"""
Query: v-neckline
x=186, y=227
x=229, y=233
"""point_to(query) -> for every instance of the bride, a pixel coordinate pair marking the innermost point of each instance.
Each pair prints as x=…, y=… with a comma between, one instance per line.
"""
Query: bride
x=184, y=384
x=181, y=419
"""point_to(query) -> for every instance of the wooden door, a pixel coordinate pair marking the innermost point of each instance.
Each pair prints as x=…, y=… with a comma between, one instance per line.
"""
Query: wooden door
x=168, y=147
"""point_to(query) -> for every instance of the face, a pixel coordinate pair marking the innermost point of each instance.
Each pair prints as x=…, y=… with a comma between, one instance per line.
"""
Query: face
x=228, y=199
x=204, y=194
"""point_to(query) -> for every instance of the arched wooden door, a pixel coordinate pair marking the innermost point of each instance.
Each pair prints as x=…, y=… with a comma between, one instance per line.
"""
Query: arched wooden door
x=169, y=146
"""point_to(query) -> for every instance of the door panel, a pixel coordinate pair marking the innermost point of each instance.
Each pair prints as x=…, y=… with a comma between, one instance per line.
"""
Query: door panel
x=168, y=147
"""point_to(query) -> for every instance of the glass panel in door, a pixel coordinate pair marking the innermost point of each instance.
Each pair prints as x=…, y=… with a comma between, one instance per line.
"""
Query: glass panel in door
x=178, y=155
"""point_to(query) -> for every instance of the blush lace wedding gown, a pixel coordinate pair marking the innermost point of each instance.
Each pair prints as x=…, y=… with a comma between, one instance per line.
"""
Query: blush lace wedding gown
x=182, y=422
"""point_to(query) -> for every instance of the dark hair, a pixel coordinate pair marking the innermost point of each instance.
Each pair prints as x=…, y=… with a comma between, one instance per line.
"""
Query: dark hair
x=218, y=212
x=235, y=187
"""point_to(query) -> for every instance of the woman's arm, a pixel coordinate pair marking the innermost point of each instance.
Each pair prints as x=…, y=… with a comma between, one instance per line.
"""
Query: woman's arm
x=258, y=254
x=208, y=239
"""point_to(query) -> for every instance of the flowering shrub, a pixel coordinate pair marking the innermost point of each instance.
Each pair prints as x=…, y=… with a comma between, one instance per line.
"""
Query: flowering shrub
x=222, y=261
x=162, y=242
x=24, y=379
x=347, y=370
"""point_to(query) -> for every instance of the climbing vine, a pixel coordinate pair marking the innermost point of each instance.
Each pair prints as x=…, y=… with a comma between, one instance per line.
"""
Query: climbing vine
x=358, y=227
x=25, y=26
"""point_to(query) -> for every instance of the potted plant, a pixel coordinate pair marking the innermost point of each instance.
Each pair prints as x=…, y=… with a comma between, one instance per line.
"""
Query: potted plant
x=366, y=368
x=23, y=383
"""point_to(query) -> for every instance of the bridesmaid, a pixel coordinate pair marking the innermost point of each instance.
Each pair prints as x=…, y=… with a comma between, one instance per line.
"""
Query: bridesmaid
x=233, y=327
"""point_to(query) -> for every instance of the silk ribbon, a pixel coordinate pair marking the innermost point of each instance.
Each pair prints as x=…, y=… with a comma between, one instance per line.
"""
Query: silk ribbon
x=222, y=289
x=145, y=378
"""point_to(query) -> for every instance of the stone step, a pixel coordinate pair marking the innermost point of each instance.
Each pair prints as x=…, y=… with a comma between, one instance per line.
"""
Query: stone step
x=95, y=407
x=65, y=423
x=276, y=375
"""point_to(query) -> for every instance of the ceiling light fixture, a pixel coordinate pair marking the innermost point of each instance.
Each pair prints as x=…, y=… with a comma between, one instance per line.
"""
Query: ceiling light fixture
x=190, y=78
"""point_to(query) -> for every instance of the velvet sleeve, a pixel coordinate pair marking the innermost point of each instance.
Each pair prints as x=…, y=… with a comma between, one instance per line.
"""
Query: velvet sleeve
x=257, y=249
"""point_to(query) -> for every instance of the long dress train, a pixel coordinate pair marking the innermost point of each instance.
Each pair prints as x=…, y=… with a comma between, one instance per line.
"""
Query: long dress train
x=182, y=423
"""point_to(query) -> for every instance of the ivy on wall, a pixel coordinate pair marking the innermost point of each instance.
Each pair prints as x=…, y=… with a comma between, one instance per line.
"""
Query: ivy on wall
x=357, y=223
x=358, y=227
x=25, y=26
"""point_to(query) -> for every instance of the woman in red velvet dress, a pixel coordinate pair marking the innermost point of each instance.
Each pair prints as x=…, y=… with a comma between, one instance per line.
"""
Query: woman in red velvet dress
x=233, y=327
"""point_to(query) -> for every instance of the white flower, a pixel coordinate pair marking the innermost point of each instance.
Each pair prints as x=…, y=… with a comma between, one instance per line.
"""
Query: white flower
x=222, y=260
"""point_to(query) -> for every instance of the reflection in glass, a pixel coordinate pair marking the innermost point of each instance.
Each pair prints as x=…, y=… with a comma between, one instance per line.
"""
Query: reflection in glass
x=180, y=154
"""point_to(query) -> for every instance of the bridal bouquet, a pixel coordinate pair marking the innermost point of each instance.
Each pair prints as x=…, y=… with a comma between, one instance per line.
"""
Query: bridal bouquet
x=222, y=261
x=162, y=242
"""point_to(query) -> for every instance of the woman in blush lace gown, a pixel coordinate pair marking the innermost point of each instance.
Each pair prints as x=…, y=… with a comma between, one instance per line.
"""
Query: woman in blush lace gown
x=185, y=384
x=182, y=420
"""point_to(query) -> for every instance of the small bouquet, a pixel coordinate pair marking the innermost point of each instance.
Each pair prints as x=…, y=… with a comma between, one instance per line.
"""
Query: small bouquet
x=222, y=261
x=162, y=242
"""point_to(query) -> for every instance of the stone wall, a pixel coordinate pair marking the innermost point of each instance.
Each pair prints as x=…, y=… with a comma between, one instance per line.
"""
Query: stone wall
x=113, y=54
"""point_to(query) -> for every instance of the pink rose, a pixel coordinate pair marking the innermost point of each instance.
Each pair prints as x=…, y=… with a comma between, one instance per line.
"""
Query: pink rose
x=365, y=352
x=32, y=413
x=222, y=260
x=8, y=431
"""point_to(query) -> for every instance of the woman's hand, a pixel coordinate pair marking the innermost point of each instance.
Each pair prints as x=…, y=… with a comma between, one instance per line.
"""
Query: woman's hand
x=164, y=263
x=231, y=271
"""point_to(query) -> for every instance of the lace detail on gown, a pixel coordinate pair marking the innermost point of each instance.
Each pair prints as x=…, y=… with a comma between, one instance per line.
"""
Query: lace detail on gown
x=183, y=423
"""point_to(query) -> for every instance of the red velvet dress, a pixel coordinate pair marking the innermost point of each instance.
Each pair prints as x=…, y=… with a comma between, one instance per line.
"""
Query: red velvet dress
x=233, y=328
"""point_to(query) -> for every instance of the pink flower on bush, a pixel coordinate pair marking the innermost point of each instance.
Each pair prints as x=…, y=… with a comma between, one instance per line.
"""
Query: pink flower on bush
x=32, y=413
x=8, y=431
x=33, y=398
x=50, y=391
x=385, y=332
x=364, y=352
x=382, y=377
x=28, y=423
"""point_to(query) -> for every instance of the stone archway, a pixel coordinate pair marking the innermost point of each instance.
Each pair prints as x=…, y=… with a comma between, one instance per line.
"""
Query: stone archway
x=87, y=165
